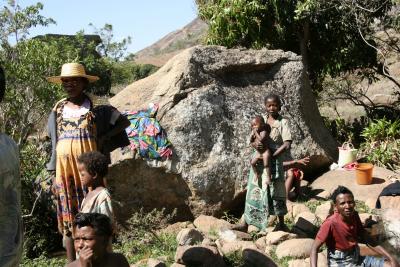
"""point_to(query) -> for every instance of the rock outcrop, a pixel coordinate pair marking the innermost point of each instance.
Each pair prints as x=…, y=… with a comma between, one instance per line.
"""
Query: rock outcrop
x=207, y=96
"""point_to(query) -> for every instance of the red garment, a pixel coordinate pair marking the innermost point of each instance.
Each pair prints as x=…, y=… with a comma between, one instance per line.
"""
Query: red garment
x=339, y=235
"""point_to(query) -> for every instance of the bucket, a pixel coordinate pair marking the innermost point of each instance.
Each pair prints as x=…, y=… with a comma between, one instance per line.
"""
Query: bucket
x=364, y=173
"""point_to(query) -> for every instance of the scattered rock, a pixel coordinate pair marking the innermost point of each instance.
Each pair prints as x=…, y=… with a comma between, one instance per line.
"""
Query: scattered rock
x=256, y=258
x=324, y=210
x=268, y=250
x=260, y=243
x=252, y=228
x=208, y=242
x=325, y=195
x=199, y=256
x=330, y=180
x=390, y=202
x=227, y=235
x=274, y=238
x=299, y=208
x=300, y=233
x=231, y=247
x=155, y=263
x=207, y=224
x=296, y=248
x=391, y=224
x=189, y=237
x=174, y=228
x=242, y=235
x=306, y=221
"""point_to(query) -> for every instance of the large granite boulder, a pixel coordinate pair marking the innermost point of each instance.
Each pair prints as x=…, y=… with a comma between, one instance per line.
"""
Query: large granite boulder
x=207, y=96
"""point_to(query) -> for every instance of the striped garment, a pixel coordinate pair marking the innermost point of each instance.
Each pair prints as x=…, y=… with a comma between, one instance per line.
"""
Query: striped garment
x=352, y=258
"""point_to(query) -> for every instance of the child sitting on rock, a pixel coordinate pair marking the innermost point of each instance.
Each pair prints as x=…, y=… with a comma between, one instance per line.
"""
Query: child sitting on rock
x=260, y=132
x=342, y=231
x=93, y=167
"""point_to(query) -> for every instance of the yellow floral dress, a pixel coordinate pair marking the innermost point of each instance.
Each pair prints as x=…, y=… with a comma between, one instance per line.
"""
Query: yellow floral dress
x=75, y=135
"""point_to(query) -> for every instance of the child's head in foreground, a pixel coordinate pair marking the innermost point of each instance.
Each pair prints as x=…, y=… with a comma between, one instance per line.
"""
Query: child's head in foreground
x=93, y=167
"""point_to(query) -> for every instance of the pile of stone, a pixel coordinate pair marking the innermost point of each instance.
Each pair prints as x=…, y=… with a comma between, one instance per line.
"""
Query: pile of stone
x=207, y=240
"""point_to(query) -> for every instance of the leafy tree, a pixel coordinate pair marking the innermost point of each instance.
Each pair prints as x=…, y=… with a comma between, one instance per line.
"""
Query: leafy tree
x=28, y=100
x=108, y=47
x=15, y=21
x=331, y=36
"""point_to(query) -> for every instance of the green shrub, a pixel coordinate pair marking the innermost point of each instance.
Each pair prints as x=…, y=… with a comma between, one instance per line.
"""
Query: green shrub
x=43, y=261
x=126, y=72
x=139, y=238
x=382, y=143
x=40, y=222
x=234, y=259
x=346, y=131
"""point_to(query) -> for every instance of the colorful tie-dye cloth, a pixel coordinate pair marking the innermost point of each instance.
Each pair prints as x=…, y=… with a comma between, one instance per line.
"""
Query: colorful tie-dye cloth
x=146, y=135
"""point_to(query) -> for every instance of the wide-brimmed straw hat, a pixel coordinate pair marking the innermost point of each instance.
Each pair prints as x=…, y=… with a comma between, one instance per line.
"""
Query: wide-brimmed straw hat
x=72, y=70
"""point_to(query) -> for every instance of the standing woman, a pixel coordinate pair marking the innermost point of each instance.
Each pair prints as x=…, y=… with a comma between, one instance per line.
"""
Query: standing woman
x=73, y=129
x=261, y=200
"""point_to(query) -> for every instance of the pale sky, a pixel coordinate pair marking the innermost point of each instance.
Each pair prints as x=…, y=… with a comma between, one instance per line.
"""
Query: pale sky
x=146, y=21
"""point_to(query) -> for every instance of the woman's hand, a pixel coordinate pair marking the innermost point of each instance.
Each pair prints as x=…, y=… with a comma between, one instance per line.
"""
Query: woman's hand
x=85, y=257
x=257, y=145
x=303, y=161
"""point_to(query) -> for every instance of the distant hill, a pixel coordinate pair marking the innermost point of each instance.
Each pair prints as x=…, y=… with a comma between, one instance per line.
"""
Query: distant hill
x=171, y=44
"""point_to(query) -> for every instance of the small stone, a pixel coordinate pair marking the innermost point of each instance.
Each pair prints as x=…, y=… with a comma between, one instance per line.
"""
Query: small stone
x=207, y=224
x=299, y=208
x=155, y=263
x=274, y=238
x=324, y=210
x=260, y=243
x=252, y=228
x=296, y=248
x=189, y=237
x=256, y=258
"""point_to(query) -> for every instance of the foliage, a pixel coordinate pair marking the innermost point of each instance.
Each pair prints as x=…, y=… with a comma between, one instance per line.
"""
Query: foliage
x=230, y=218
x=108, y=48
x=234, y=259
x=15, y=21
x=27, y=63
x=361, y=207
x=382, y=143
x=283, y=262
x=331, y=36
x=355, y=89
x=346, y=131
x=139, y=238
x=40, y=235
x=126, y=72
x=43, y=261
x=134, y=249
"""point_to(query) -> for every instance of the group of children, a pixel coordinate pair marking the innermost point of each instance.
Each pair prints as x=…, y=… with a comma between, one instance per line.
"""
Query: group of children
x=93, y=168
x=342, y=231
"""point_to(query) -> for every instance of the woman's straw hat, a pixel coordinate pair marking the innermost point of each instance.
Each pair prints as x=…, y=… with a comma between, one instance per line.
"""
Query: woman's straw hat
x=72, y=70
